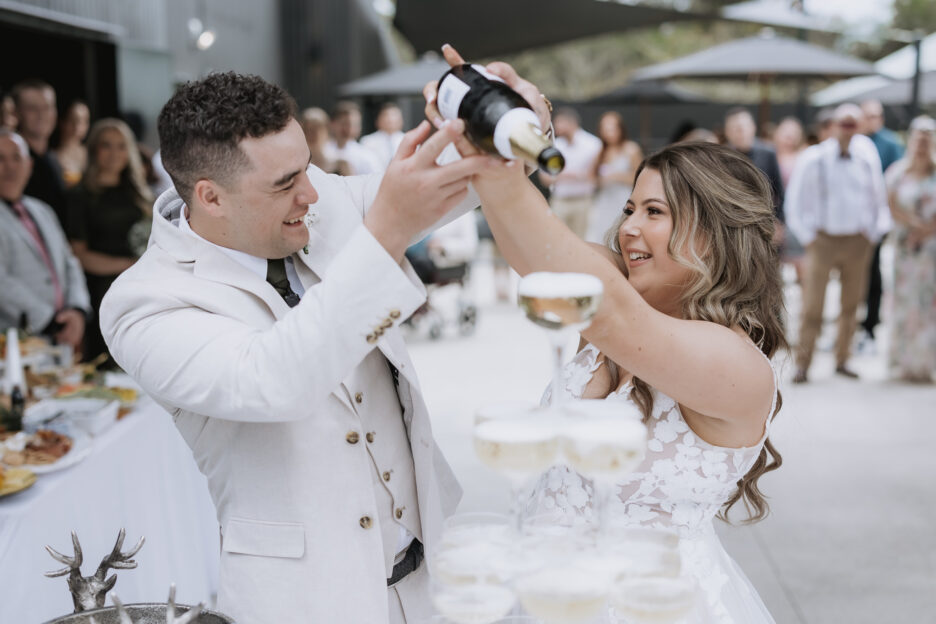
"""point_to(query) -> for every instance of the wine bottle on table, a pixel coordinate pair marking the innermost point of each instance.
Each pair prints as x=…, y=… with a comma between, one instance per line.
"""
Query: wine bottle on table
x=497, y=119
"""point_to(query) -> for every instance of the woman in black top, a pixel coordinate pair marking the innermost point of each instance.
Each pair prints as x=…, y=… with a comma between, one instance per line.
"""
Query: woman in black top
x=108, y=215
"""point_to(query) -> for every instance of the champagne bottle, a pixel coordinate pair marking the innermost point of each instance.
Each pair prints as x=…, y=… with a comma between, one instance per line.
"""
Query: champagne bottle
x=497, y=119
x=17, y=409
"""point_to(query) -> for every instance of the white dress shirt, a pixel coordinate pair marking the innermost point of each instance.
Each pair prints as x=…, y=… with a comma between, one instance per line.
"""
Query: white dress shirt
x=580, y=154
x=361, y=159
x=383, y=145
x=838, y=195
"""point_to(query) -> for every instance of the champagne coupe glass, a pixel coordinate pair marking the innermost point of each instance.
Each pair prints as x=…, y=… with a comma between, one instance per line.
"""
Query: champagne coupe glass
x=475, y=547
x=563, y=593
x=471, y=603
x=563, y=304
x=603, y=440
x=518, y=446
x=653, y=600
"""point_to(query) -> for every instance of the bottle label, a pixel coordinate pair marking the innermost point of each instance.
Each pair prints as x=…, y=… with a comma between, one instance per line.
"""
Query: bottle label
x=452, y=91
x=507, y=125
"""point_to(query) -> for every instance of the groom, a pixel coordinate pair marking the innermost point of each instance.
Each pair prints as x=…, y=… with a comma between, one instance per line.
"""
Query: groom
x=264, y=317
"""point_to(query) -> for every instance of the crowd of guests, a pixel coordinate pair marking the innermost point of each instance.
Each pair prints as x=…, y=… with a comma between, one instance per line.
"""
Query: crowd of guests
x=839, y=188
x=80, y=196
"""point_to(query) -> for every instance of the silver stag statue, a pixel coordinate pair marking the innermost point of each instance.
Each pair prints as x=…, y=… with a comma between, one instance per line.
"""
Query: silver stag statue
x=89, y=592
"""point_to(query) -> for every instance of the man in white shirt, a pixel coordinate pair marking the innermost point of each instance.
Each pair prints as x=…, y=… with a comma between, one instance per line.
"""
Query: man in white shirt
x=572, y=191
x=384, y=142
x=836, y=205
x=346, y=128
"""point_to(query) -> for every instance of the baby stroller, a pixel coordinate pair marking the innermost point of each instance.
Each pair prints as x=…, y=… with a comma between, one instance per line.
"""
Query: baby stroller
x=442, y=260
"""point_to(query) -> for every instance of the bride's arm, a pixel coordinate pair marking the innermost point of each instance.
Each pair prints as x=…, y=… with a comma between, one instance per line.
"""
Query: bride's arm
x=704, y=366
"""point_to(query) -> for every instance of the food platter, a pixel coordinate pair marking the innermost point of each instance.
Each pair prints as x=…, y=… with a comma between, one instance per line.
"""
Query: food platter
x=16, y=480
x=42, y=452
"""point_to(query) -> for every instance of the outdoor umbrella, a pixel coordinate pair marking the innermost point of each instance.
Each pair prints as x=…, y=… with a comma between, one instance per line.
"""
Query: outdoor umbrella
x=402, y=80
x=643, y=94
x=764, y=58
x=484, y=28
x=899, y=92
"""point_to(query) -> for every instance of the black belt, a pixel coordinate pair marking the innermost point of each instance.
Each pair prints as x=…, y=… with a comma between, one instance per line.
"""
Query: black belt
x=409, y=562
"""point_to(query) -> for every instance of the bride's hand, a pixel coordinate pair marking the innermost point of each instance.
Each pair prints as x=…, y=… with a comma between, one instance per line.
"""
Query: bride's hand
x=525, y=88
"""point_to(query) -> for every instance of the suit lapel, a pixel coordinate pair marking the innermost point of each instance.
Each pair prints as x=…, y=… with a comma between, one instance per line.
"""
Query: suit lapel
x=17, y=226
x=213, y=265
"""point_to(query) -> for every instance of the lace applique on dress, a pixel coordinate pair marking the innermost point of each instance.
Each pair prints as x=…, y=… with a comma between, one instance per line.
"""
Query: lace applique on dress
x=681, y=485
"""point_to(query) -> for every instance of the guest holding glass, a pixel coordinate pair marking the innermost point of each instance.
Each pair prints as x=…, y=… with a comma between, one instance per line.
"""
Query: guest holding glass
x=614, y=173
x=911, y=183
x=108, y=215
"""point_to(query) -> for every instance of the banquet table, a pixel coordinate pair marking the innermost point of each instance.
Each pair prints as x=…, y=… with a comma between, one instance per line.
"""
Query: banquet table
x=139, y=476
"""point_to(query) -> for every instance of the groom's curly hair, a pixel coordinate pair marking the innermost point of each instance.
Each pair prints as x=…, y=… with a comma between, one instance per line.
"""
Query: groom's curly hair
x=203, y=123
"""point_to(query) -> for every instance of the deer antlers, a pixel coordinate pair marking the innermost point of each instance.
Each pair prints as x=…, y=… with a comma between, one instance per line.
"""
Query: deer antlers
x=89, y=592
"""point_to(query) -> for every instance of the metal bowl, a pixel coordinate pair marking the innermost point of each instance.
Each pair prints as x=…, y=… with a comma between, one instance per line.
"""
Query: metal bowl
x=140, y=613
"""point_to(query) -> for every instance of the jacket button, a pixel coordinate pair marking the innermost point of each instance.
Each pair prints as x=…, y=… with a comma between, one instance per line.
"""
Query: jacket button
x=365, y=522
x=386, y=324
x=371, y=338
x=386, y=476
x=399, y=513
x=378, y=331
x=370, y=436
x=394, y=314
x=359, y=397
x=352, y=437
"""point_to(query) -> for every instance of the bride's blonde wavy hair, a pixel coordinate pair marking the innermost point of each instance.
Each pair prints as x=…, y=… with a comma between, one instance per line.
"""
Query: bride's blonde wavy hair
x=723, y=217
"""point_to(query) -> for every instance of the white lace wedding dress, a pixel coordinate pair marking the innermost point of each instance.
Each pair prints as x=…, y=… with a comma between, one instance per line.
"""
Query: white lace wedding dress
x=681, y=485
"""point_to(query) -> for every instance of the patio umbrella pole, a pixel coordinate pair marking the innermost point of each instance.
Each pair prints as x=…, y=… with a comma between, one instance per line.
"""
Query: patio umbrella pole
x=763, y=115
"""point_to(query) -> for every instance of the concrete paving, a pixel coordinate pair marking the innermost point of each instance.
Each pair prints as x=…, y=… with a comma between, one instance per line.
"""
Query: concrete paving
x=852, y=533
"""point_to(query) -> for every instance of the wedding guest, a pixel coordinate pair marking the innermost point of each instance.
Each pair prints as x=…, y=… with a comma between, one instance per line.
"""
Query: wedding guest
x=890, y=150
x=684, y=333
x=71, y=153
x=264, y=315
x=343, y=146
x=572, y=191
x=37, y=114
x=911, y=184
x=384, y=142
x=789, y=143
x=614, y=172
x=315, y=123
x=109, y=213
x=40, y=279
x=836, y=206
x=8, y=117
x=741, y=134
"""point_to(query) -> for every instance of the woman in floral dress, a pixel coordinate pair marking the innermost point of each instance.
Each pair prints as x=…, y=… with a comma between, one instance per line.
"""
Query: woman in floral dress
x=911, y=184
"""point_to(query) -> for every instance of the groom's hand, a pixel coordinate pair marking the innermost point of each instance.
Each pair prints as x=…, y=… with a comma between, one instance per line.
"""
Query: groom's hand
x=415, y=191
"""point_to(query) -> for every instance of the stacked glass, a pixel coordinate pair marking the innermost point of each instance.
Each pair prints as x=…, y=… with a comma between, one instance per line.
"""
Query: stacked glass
x=562, y=570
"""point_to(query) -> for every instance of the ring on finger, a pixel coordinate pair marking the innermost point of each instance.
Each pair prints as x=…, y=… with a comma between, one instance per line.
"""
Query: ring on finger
x=549, y=106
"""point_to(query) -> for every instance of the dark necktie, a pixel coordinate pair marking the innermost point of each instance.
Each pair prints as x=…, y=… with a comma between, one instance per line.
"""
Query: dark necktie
x=276, y=275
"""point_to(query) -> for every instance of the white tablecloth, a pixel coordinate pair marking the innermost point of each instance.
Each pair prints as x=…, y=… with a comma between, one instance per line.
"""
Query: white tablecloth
x=140, y=476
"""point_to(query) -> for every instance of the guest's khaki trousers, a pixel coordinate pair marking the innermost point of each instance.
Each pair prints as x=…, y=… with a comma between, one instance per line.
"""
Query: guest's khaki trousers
x=850, y=255
x=573, y=211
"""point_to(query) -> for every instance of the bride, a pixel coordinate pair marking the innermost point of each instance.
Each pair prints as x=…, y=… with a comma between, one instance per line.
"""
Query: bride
x=689, y=321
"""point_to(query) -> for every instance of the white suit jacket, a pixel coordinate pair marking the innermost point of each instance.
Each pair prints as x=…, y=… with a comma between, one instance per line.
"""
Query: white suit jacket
x=256, y=390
